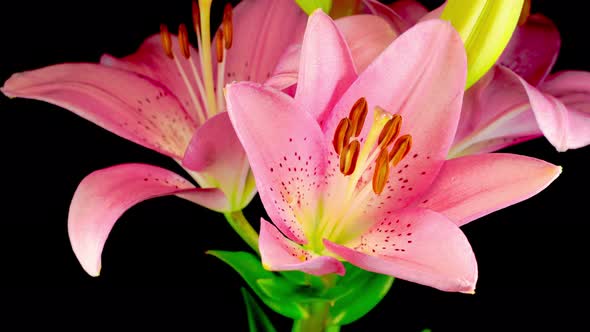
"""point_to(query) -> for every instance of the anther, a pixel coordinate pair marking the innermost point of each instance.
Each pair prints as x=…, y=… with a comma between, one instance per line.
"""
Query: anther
x=525, y=12
x=166, y=40
x=400, y=149
x=390, y=131
x=183, y=41
x=342, y=134
x=196, y=17
x=227, y=25
x=219, y=43
x=358, y=114
x=381, y=174
x=349, y=157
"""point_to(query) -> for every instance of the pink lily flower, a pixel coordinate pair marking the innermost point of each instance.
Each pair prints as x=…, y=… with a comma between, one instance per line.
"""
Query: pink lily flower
x=519, y=100
x=379, y=195
x=515, y=102
x=166, y=97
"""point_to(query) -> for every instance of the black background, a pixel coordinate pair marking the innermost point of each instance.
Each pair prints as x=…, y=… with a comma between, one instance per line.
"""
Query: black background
x=532, y=256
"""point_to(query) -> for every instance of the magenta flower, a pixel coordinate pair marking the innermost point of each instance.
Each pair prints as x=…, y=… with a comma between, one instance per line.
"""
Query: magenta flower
x=166, y=97
x=354, y=167
x=518, y=100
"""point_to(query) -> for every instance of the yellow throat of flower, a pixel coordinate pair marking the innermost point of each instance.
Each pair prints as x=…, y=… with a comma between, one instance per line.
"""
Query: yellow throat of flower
x=374, y=156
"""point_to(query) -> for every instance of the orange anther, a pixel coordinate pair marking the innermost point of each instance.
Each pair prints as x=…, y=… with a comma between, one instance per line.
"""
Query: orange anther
x=183, y=41
x=358, y=114
x=166, y=40
x=349, y=157
x=400, y=149
x=381, y=174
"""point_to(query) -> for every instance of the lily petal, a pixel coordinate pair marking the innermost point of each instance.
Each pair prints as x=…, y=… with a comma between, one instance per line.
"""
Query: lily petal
x=216, y=153
x=495, y=114
x=286, y=151
x=471, y=187
x=326, y=68
x=280, y=254
x=551, y=115
x=150, y=60
x=366, y=36
x=572, y=88
x=128, y=104
x=393, y=18
x=417, y=245
x=420, y=76
x=533, y=49
x=410, y=11
x=262, y=30
x=104, y=195
x=287, y=70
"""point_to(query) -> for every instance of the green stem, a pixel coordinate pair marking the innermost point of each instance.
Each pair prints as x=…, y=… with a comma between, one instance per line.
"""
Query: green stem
x=319, y=313
x=241, y=225
x=318, y=320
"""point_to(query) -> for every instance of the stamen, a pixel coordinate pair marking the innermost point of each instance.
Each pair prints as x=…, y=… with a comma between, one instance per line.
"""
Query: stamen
x=196, y=18
x=219, y=45
x=358, y=114
x=390, y=131
x=381, y=174
x=400, y=149
x=525, y=12
x=342, y=134
x=205, y=53
x=349, y=157
x=183, y=41
x=166, y=40
x=227, y=25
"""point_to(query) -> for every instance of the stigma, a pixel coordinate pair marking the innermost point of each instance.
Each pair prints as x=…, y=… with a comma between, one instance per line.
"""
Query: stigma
x=206, y=92
x=382, y=148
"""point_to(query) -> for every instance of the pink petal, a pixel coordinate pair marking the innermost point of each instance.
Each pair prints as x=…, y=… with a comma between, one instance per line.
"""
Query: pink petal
x=394, y=19
x=150, y=60
x=495, y=114
x=326, y=69
x=417, y=245
x=533, y=49
x=281, y=254
x=286, y=150
x=470, y=187
x=366, y=36
x=262, y=31
x=421, y=76
x=410, y=11
x=497, y=111
x=104, y=195
x=287, y=69
x=216, y=153
x=572, y=88
x=127, y=104
x=551, y=115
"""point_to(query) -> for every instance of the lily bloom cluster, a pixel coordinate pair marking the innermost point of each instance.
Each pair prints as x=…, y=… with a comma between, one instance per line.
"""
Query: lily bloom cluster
x=358, y=134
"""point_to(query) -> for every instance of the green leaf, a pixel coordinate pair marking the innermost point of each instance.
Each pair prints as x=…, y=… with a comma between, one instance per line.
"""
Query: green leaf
x=283, y=290
x=362, y=293
x=257, y=319
x=250, y=269
x=485, y=27
x=309, y=6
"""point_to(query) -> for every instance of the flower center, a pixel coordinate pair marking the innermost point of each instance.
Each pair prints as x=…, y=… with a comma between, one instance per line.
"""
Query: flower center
x=365, y=165
x=206, y=96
